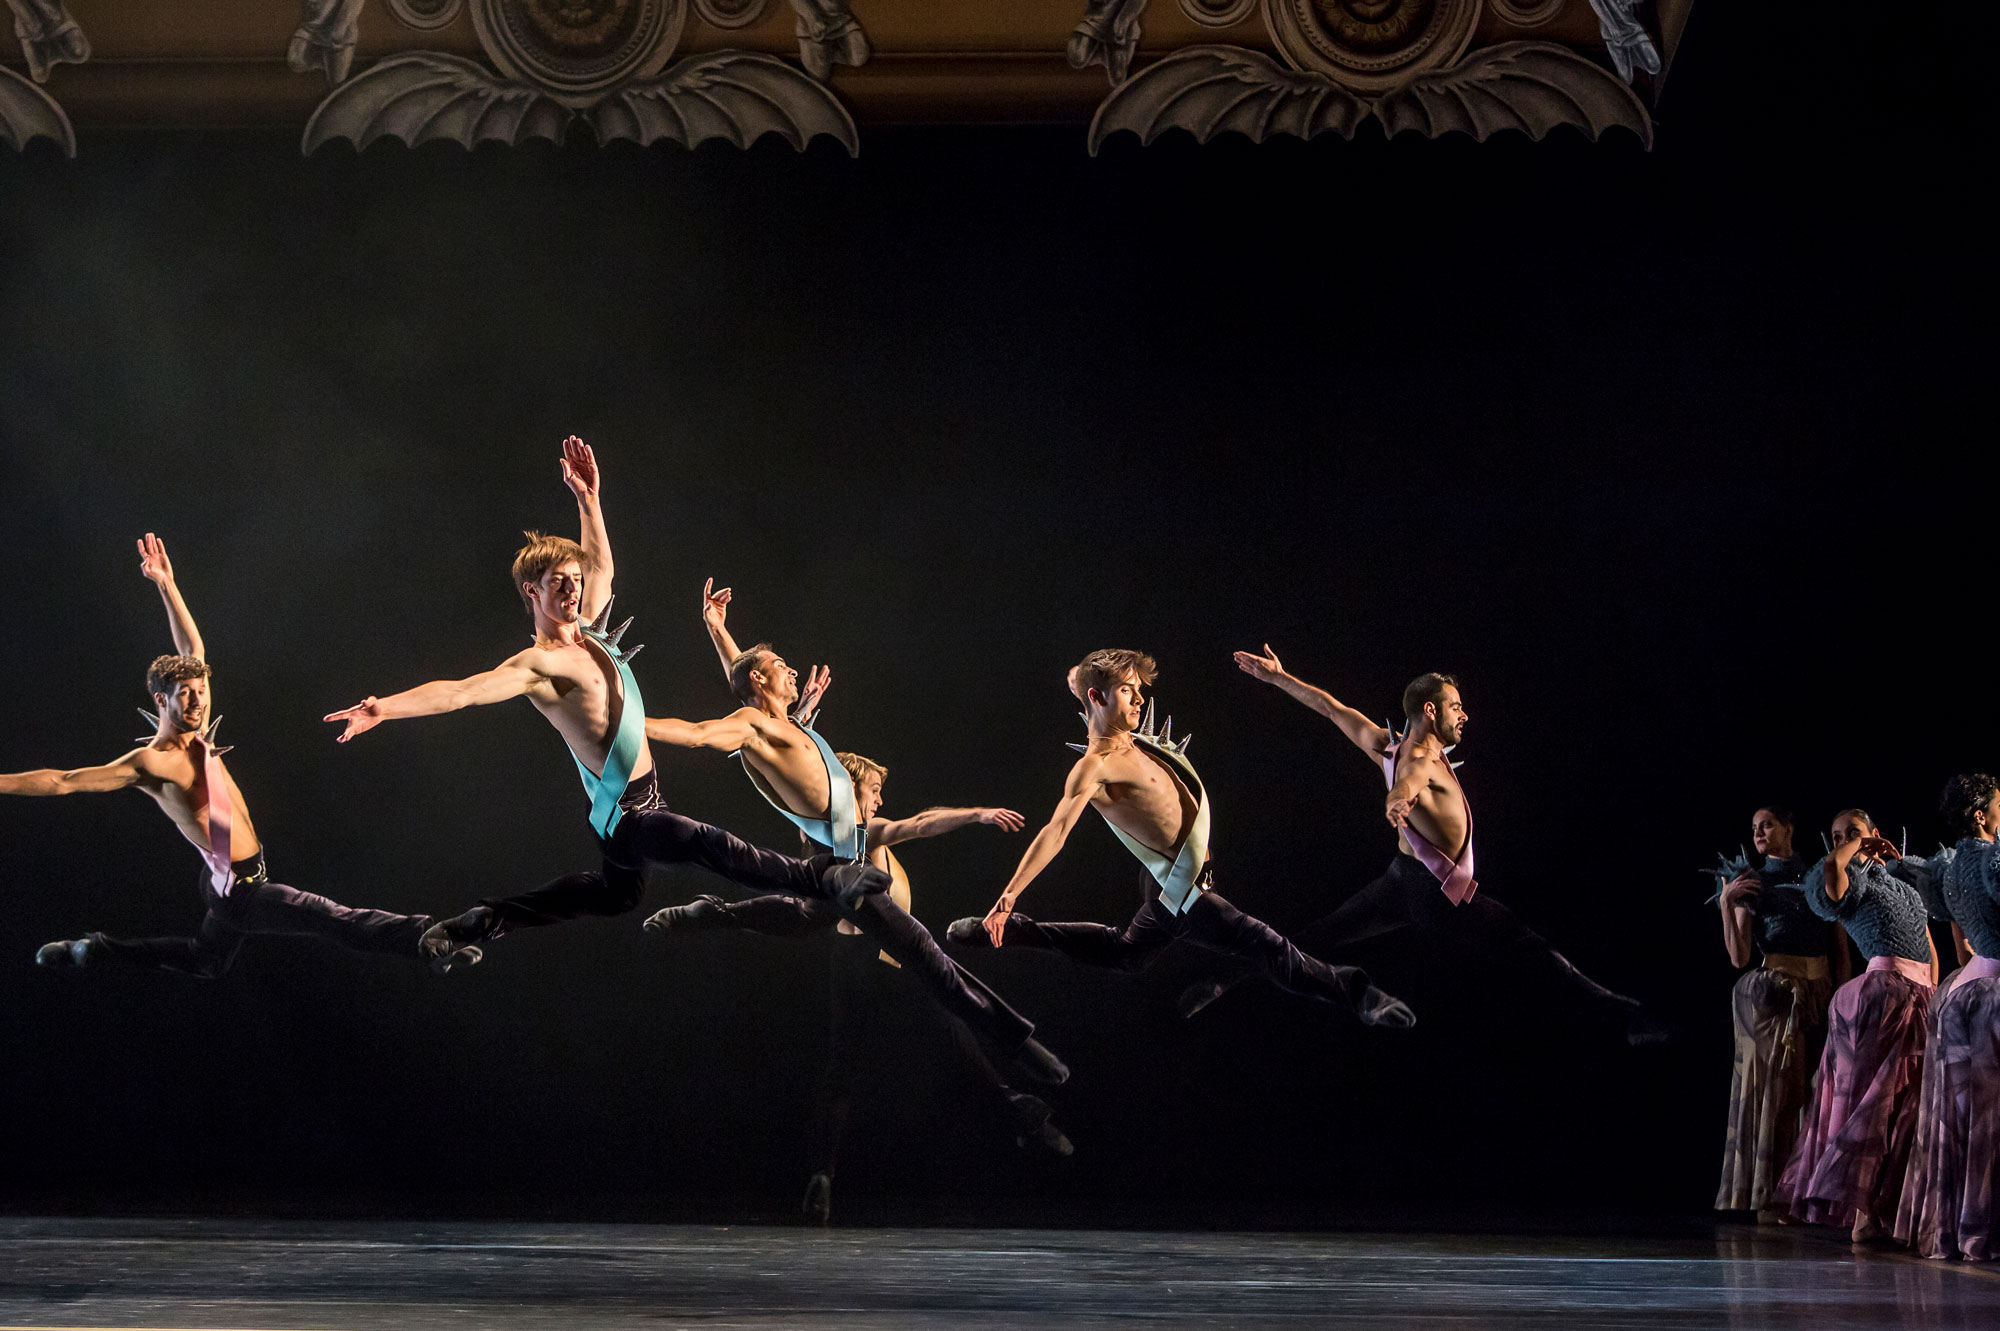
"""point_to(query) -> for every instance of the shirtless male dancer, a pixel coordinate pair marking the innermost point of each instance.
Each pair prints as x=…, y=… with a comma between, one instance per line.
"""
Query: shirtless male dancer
x=1430, y=885
x=800, y=775
x=578, y=677
x=1144, y=786
x=181, y=768
x=863, y=984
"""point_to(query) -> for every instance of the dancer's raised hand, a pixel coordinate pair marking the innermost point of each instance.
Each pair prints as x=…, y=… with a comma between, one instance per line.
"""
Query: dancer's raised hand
x=1742, y=889
x=1265, y=667
x=818, y=678
x=579, y=468
x=1004, y=819
x=154, y=565
x=714, y=604
x=364, y=715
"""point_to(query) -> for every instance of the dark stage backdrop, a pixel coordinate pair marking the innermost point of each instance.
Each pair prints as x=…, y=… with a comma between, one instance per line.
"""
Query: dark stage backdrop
x=1648, y=448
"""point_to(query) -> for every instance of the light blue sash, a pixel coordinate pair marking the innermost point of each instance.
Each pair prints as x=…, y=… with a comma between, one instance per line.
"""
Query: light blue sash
x=606, y=788
x=1180, y=877
x=839, y=833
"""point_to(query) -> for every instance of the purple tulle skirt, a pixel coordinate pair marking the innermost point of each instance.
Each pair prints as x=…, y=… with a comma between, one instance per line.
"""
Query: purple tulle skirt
x=1948, y=1196
x=1856, y=1145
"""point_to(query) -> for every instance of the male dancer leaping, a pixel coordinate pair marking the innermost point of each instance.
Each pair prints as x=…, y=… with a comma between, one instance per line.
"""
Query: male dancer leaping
x=181, y=768
x=1429, y=885
x=1144, y=786
x=863, y=983
x=579, y=678
x=802, y=778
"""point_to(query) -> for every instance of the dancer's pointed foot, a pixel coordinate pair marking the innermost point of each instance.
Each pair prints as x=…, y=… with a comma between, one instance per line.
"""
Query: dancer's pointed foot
x=1035, y=1127
x=70, y=952
x=818, y=1204
x=853, y=882
x=443, y=941
x=1034, y=1058
x=448, y=962
x=1197, y=996
x=1377, y=1008
x=701, y=911
x=968, y=932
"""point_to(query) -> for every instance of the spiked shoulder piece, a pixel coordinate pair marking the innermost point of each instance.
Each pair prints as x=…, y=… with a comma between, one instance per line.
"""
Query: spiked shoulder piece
x=607, y=637
x=1162, y=738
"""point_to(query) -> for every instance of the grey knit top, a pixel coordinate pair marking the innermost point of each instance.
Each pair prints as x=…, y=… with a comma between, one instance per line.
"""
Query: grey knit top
x=1969, y=875
x=1882, y=911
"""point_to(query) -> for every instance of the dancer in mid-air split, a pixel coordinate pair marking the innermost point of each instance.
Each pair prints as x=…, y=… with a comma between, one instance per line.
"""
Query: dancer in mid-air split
x=1429, y=886
x=864, y=984
x=181, y=768
x=580, y=679
x=1145, y=788
x=798, y=772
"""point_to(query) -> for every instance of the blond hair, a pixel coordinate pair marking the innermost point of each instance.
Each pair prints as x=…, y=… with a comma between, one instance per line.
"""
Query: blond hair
x=858, y=767
x=541, y=554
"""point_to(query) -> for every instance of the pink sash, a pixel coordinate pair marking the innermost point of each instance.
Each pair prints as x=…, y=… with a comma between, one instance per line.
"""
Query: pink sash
x=1454, y=877
x=215, y=798
x=1979, y=968
x=1916, y=972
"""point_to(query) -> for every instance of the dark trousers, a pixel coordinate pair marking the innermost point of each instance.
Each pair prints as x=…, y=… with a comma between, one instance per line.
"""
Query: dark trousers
x=257, y=906
x=1482, y=932
x=656, y=837
x=864, y=996
x=1209, y=922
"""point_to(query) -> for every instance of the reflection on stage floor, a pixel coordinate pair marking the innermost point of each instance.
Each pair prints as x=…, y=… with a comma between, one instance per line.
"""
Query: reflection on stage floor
x=411, y=1276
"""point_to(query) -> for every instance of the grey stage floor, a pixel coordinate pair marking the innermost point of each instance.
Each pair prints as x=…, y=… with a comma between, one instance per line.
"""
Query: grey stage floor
x=241, y=1274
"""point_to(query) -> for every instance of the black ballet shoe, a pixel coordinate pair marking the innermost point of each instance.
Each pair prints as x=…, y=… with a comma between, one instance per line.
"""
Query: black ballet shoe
x=446, y=938
x=1034, y=1058
x=701, y=911
x=818, y=1204
x=852, y=882
x=1377, y=1008
x=1197, y=996
x=968, y=932
x=70, y=952
x=1035, y=1128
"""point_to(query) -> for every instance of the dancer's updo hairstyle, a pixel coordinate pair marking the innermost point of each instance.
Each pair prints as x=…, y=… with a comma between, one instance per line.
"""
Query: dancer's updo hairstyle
x=1965, y=796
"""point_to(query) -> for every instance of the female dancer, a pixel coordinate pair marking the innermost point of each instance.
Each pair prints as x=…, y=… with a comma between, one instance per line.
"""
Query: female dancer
x=1948, y=1201
x=1848, y=1166
x=1779, y=1007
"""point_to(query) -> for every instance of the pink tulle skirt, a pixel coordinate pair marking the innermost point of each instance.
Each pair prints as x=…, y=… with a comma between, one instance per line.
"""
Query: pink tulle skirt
x=1948, y=1196
x=1854, y=1150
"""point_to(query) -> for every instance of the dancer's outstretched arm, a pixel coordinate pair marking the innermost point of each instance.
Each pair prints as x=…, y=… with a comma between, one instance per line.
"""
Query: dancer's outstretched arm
x=1369, y=737
x=936, y=822
x=1085, y=779
x=515, y=677
x=118, y=774
x=579, y=473
x=726, y=734
x=157, y=569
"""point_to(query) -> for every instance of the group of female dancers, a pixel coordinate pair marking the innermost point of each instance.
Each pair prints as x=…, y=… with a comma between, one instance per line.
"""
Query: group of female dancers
x=1876, y=1105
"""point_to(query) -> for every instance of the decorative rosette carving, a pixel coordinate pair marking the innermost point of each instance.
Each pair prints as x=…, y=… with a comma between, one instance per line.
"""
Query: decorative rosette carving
x=578, y=49
x=1372, y=45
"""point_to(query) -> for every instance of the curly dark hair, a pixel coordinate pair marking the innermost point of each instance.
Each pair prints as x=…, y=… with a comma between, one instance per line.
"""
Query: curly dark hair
x=1964, y=796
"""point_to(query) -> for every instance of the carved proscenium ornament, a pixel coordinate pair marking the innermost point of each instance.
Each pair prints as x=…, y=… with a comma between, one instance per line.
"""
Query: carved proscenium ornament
x=1371, y=45
x=1532, y=87
x=577, y=49
x=603, y=62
